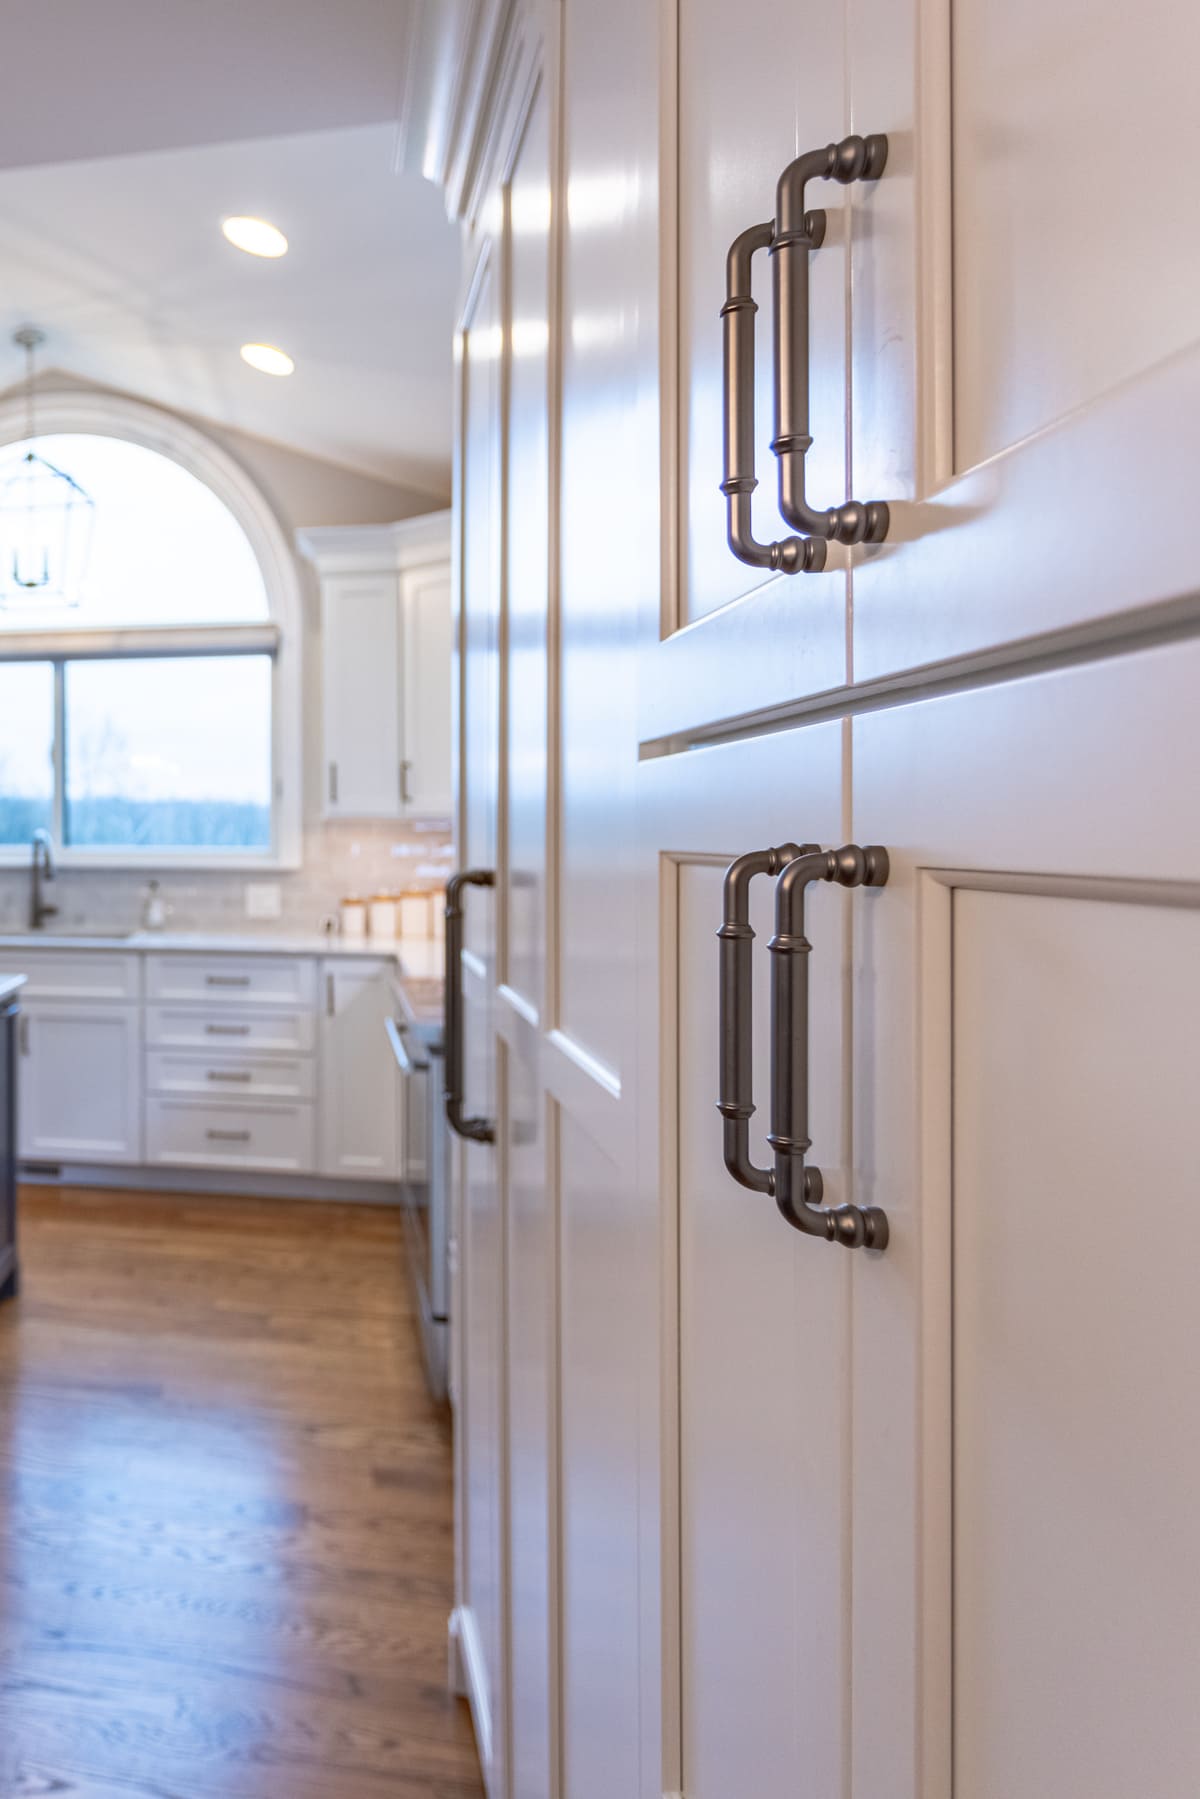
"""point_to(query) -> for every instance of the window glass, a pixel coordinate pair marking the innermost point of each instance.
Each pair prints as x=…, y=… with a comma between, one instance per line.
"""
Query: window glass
x=168, y=753
x=26, y=749
x=163, y=549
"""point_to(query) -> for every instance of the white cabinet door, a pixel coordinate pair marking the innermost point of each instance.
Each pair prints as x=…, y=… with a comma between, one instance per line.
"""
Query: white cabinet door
x=80, y=1083
x=360, y=621
x=479, y=1415
x=360, y=1121
x=1026, y=1458
x=428, y=629
x=746, y=98
x=757, y=1315
x=1026, y=379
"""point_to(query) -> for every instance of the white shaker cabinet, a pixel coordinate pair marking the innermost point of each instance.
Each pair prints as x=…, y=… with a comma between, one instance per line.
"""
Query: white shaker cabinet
x=385, y=635
x=79, y=1082
x=360, y=1122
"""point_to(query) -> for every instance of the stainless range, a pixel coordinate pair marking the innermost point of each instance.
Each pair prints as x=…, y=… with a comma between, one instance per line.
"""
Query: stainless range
x=416, y=1041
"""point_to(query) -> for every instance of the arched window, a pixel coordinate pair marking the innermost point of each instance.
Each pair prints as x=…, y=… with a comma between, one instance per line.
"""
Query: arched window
x=149, y=714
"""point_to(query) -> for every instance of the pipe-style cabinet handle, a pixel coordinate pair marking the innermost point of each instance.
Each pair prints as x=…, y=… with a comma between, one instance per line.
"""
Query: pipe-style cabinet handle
x=479, y=1130
x=735, y=1029
x=791, y=554
x=789, y=237
x=798, y=1188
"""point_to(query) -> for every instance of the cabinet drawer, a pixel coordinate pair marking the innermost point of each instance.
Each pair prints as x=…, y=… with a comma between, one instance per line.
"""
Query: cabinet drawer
x=277, y=1138
x=73, y=974
x=226, y=1028
x=220, y=1077
x=232, y=980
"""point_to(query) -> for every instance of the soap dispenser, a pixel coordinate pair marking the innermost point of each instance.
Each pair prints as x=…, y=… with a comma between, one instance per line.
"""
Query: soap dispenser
x=154, y=909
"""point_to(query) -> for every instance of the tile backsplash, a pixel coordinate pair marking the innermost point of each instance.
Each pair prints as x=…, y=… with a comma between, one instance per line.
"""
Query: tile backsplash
x=339, y=859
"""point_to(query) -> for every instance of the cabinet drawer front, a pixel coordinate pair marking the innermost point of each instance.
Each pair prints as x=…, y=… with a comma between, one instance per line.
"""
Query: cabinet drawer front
x=223, y=1029
x=269, y=1137
x=72, y=974
x=222, y=1076
x=232, y=980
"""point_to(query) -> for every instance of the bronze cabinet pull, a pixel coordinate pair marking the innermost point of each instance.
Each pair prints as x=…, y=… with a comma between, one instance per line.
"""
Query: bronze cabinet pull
x=478, y=1130
x=798, y=1189
x=789, y=237
x=794, y=234
x=791, y=554
x=735, y=1033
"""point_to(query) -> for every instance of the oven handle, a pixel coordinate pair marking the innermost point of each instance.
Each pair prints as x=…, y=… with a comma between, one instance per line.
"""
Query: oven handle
x=404, y=1061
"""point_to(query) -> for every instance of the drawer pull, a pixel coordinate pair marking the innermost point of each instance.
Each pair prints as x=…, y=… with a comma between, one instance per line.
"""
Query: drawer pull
x=228, y=1074
x=227, y=980
x=227, y=1030
x=227, y=1136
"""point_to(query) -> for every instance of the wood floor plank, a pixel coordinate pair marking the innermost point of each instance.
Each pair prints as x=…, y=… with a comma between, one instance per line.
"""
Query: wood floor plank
x=226, y=1539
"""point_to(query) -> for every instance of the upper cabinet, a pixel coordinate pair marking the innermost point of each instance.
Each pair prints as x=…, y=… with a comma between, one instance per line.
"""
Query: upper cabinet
x=386, y=638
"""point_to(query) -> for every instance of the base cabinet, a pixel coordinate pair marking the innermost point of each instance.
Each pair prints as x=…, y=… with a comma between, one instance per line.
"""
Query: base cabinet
x=359, y=1132
x=275, y=1064
x=79, y=1083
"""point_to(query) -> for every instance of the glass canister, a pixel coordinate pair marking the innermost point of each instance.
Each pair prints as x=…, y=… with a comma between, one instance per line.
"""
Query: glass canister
x=381, y=915
x=353, y=914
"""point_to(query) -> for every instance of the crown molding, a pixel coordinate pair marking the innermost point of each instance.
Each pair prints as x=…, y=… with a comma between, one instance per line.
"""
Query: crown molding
x=457, y=55
x=377, y=549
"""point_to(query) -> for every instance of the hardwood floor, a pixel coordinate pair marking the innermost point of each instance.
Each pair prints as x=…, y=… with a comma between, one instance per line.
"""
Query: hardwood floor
x=225, y=1512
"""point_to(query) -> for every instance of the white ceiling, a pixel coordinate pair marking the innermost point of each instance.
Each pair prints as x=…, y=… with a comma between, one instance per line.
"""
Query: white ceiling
x=101, y=77
x=286, y=109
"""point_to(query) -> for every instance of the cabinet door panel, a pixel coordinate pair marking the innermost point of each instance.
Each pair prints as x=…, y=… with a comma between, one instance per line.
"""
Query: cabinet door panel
x=1026, y=366
x=753, y=1507
x=360, y=1121
x=474, y=1171
x=361, y=674
x=427, y=636
x=80, y=1083
x=1026, y=992
x=1067, y=1459
x=750, y=94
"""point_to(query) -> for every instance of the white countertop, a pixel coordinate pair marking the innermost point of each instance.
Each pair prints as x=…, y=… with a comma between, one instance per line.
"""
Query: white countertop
x=10, y=985
x=421, y=958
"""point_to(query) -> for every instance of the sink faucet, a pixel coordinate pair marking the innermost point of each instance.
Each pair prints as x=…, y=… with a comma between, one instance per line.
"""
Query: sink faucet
x=43, y=869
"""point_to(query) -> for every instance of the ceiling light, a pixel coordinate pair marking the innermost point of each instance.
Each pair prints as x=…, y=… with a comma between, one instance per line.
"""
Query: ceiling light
x=255, y=236
x=45, y=515
x=267, y=359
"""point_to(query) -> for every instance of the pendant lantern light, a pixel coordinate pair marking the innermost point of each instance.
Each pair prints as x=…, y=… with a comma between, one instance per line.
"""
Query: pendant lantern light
x=45, y=515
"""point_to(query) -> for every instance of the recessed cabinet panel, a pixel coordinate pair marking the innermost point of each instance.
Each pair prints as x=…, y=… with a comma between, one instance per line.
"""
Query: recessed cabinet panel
x=1076, y=1351
x=70, y=974
x=218, y=1028
x=231, y=981
x=269, y=1139
x=753, y=93
x=222, y=1076
x=360, y=621
x=1057, y=301
x=762, y=1313
x=427, y=628
x=79, y=1083
x=360, y=1114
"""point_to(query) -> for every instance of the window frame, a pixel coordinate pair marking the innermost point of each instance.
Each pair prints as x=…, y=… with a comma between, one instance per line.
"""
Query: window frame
x=134, y=421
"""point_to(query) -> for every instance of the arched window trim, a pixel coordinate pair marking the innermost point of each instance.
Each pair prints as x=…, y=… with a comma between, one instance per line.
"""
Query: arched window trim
x=100, y=414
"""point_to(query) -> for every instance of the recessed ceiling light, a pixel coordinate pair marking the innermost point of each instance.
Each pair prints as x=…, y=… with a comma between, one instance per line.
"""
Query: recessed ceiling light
x=255, y=236
x=268, y=359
